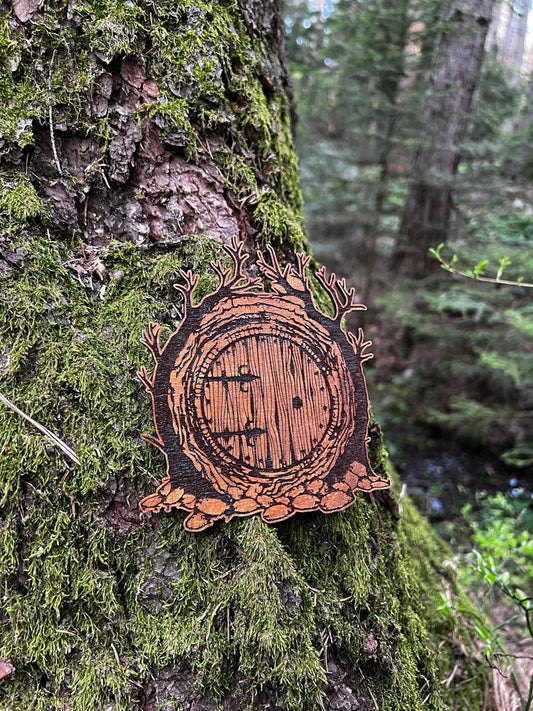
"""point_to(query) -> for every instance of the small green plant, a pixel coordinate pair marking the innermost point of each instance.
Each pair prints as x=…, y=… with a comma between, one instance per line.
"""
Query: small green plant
x=477, y=272
x=502, y=563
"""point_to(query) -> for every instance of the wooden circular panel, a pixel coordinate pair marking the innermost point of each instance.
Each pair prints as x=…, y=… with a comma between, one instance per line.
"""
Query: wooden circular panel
x=266, y=403
x=260, y=393
x=259, y=398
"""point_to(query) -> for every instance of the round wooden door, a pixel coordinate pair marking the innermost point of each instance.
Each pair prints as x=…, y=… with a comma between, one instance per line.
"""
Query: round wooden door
x=266, y=403
x=261, y=393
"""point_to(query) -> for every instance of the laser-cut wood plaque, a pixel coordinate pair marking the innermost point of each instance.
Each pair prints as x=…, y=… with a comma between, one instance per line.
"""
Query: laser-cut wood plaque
x=259, y=399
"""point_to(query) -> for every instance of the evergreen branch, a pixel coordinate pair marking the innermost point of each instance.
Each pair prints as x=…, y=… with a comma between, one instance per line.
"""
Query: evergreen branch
x=529, y=700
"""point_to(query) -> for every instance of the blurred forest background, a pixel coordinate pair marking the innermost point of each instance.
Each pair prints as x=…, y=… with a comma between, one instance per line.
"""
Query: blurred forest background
x=415, y=132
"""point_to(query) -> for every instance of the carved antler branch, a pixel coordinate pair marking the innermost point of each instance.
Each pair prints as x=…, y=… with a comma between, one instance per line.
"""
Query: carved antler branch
x=145, y=379
x=271, y=271
x=234, y=277
x=342, y=298
x=156, y=441
x=191, y=282
x=295, y=275
x=360, y=345
x=303, y=262
x=239, y=259
x=223, y=274
x=291, y=277
x=150, y=339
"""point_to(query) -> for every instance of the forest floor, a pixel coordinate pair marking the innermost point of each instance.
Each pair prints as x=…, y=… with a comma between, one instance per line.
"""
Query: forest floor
x=506, y=695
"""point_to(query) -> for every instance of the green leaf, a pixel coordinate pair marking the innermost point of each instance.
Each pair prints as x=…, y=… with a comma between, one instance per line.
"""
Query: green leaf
x=482, y=632
x=480, y=267
x=504, y=262
x=436, y=252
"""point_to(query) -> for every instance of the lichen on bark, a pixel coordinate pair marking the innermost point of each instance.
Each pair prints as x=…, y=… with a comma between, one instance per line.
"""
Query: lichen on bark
x=171, y=128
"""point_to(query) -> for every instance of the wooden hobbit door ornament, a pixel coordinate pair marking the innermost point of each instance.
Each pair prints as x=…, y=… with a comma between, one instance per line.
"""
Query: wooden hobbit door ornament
x=259, y=400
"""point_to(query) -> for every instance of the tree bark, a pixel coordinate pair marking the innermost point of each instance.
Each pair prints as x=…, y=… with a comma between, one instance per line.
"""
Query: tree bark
x=526, y=117
x=456, y=68
x=136, y=138
x=522, y=10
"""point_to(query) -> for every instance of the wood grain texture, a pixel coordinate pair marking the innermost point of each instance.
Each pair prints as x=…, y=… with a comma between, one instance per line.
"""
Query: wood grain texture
x=259, y=399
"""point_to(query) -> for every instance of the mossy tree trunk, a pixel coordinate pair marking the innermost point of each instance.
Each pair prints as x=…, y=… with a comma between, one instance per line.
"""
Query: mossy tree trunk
x=136, y=138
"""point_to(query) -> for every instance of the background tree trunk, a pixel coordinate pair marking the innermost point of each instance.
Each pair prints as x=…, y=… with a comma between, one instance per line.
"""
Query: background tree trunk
x=455, y=74
x=137, y=137
x=522, y=10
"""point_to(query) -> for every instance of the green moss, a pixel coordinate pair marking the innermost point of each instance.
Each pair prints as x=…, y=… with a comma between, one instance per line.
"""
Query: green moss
x=9, y=58
x=278, y=221
x=111, y=27
x=174, y=114
x=46, y=73
x=19, y=200
x=21, y=103
x=20, y=108
x=218, y=66
x=239, y=176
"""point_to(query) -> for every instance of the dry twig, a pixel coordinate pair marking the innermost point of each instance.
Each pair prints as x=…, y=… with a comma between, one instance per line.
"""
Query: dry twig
x=44, y=430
